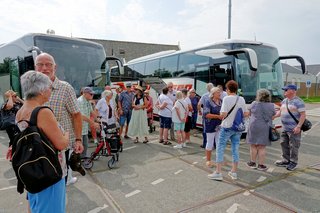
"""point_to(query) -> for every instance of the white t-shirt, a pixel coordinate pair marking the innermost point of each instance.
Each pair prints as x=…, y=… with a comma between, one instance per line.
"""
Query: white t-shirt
x=166, y=112
x=183, y=107
x=227, y=104
x=172, y=95
x=188, y=101
x=103, y=109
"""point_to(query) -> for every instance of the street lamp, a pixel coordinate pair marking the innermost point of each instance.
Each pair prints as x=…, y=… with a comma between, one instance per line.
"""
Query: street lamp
x=317, y=75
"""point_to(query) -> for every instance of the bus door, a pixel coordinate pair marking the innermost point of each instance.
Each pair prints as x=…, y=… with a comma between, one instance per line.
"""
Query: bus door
x=220, y=74
x=201, y=78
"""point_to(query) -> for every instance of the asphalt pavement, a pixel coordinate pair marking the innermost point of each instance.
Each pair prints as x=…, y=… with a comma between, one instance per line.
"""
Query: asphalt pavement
x=157, y=178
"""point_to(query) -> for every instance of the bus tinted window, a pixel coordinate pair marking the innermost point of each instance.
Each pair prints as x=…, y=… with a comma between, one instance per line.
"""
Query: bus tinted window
x=138, y=70
x=189, y=61
x=152, y=67
x=168, y=66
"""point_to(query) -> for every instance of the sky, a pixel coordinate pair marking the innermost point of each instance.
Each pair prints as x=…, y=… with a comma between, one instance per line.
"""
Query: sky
x=293, y=26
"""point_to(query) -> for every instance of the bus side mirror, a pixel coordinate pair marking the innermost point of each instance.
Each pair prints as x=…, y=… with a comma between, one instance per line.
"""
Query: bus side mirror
x=250, y=55
x=298, y=58
x=121, y=69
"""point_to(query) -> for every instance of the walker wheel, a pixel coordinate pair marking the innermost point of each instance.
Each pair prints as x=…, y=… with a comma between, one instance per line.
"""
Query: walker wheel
x=87, y=163
x=111, y=162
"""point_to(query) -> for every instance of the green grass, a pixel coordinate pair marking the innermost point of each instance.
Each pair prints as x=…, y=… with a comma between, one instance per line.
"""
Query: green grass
x=311, y=99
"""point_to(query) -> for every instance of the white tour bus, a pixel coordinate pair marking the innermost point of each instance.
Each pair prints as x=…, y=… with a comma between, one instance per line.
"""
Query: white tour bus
x=252, y=64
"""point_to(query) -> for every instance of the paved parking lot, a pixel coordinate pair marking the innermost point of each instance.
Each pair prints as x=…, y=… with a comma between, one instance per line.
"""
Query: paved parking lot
x=156, y=178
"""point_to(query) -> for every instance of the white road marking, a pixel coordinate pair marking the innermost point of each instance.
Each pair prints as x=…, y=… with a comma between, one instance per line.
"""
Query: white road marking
x=98, y=209
x=177, y=172
x=132, y=193
x=261, y=178
x=204, y=157
x=3, y=159
x=233, y=208
x=157, y=181
x=1, y=137
x=131, y=147
x=270, y=170
x=194, y=163
x=7, y=188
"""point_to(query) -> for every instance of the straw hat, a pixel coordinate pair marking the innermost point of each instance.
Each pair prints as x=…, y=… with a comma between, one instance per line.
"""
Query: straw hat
x=138, y=88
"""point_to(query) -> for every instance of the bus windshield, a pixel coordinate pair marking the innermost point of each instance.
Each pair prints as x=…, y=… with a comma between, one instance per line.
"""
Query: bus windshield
x=77, y=62
x=266, y=77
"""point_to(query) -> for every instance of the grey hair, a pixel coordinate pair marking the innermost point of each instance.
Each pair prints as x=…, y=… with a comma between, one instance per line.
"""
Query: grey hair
x=33, y=83
x=179, y=95
x=106, y=93
x=214, y=90
x=263, y=95
x=209, y=86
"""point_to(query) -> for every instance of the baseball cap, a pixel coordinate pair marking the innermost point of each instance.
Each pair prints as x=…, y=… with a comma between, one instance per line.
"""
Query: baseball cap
x=88, y=90
x=128, y=85
x=290, y=86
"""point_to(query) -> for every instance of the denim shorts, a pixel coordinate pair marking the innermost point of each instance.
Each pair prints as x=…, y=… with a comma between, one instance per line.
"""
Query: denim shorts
x=165, y=122
x=125, y=117
x=179, y=126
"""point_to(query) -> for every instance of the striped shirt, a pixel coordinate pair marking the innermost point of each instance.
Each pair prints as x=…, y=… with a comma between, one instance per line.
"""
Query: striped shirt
x=63, y=102
x=296, y=106
x=86, y=110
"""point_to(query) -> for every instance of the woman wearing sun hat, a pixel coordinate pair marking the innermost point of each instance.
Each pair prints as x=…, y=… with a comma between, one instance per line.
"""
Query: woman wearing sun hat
x=138, y=126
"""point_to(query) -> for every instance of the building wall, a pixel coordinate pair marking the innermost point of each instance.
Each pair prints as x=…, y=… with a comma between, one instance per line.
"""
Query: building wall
x=131, y=50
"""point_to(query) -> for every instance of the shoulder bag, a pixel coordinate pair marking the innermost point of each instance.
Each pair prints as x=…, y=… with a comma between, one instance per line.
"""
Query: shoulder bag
x=306, y=124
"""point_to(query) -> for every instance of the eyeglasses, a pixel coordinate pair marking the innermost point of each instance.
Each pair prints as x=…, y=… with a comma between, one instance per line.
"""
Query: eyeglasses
x=49, y=65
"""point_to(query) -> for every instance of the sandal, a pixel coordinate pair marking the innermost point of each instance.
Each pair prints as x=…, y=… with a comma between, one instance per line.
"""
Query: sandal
x=166, y=143
x=136, y=140
x=161, y=141
x=146, y=140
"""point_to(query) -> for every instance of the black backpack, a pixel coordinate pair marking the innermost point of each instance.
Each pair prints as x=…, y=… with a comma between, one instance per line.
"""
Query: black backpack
x=34, y=159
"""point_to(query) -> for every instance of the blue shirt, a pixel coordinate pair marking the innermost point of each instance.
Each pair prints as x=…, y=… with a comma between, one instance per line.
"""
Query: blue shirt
x=211, y=107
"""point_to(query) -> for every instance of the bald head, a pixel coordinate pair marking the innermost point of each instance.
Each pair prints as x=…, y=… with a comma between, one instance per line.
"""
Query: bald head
x=45, y=64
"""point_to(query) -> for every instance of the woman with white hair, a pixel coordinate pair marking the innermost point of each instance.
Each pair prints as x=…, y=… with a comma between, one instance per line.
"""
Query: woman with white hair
x=36, y=88
x=106, y=108
x=212, y=121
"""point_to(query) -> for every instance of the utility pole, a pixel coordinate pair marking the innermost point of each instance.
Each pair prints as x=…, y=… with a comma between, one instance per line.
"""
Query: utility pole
x=229, y=21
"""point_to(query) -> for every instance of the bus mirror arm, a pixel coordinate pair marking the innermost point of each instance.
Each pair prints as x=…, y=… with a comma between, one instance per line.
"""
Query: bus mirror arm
x=298, y=58
x=35, y=52
x=250, y=55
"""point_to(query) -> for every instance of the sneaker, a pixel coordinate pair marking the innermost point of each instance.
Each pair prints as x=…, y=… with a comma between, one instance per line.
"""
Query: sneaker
x=126, y=136
x=233, y=175
x=178, y=146
x=72, y=180
x=251, y=164
x=292, y=166
x=262, y=167
x=95, y=141
x=209, y=164
x=215, y=176
x=281, y=163
x=184, y=145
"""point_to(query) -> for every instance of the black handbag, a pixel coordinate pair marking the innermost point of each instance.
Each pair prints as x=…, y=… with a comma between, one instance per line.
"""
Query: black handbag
x=7, y=118
x=274, y=135
x=306, y=124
